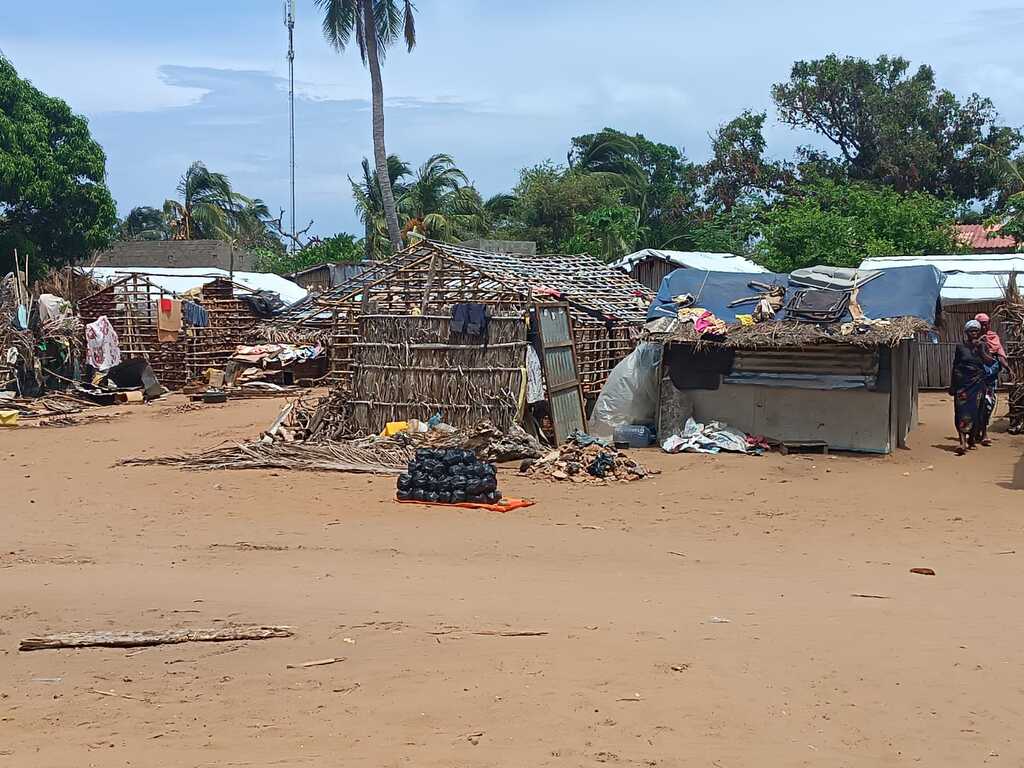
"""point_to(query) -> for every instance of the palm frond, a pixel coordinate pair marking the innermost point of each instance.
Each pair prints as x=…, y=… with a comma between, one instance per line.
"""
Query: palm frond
x=410, y=25
x=339, y=21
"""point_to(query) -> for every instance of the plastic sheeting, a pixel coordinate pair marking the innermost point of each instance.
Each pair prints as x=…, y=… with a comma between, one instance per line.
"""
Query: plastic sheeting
x=713, y=437
x=630, y=396
x=899, y=292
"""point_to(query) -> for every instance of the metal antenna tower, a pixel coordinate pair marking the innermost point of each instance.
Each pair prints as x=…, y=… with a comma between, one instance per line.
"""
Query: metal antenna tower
x=289, y=22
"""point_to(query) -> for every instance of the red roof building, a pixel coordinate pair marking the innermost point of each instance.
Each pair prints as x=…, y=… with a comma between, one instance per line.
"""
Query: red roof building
x=976, y=238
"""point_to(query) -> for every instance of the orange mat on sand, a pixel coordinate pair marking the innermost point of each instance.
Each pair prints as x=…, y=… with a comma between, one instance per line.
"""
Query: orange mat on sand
x=506, y=505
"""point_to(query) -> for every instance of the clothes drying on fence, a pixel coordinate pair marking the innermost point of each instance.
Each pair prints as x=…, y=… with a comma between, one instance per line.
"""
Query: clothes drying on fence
x=470, y=319
x=102, y=350
x=194, y=315
x=534, y=376
x=168, y=320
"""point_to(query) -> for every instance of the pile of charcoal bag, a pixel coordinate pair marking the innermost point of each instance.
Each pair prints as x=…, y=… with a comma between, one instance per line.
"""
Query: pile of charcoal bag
x=449, y=476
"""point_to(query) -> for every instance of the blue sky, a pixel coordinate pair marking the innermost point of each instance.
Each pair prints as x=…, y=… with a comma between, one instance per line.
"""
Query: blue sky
x=499, y=84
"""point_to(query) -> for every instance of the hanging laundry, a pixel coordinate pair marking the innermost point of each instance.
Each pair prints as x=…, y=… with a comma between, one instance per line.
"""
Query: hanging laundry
x=168, y=320
x=470, y=319
x=102, y=350
x=194, y=315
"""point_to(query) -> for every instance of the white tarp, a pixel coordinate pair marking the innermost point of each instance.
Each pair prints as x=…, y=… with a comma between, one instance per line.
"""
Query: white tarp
x=182, y=279
x=709, y=262
x=969, y=276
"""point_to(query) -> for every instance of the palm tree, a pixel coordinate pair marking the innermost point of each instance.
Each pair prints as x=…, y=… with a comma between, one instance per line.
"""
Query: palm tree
x=202, y=211
x=144, y=222
x=440, y=203
x=376, y=24
x=370, y=203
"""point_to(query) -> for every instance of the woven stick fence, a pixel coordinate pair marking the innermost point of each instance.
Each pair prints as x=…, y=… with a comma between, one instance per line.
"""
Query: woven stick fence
x=412, y=366
x=1012, y=314
x=608, y=307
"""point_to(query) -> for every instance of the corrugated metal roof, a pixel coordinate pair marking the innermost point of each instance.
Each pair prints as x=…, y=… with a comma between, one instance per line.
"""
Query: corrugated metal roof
x=969, y=276
x=976, y=236
x=187, y=278
x=709, y=262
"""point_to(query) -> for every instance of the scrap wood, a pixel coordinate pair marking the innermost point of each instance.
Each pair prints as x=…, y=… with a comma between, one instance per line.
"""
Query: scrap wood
x=131, y=639
x=876, y=597
x=317, y=663
x=510, y=633
x=492, y=632
x=118, y=695
x=336, y=457
x=594, y=463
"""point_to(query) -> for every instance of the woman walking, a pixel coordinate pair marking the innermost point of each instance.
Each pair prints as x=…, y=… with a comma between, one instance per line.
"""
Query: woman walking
x=969, y=387
x=994, y=346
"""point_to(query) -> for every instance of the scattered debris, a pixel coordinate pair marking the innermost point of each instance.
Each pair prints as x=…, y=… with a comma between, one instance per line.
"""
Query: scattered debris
x=923, y=571
x=719, y=620
x=137, y=639
x=875, y=597
x=590, y=463
x=317, y=663
x=118, y=695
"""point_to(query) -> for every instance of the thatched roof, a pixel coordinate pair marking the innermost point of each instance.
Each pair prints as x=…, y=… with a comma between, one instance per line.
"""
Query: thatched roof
x=777, y=335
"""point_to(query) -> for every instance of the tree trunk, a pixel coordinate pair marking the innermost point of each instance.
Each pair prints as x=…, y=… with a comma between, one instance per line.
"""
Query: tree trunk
x=380, y=154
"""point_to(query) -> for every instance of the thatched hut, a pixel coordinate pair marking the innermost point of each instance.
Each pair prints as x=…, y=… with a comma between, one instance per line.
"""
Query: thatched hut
x=130, y=304
x=397, y=354
x=606, y=306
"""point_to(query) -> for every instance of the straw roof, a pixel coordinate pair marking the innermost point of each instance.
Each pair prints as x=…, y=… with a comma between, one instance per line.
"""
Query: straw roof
x=790, y=334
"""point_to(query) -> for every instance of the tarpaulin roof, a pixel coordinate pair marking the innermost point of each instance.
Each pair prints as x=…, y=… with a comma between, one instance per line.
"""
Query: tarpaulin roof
x=901, y=292
x=183, y=279
x=716, y=262
x=969, y=276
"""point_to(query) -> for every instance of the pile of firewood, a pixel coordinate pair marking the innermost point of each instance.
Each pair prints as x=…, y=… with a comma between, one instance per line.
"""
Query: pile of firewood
x=593, y=463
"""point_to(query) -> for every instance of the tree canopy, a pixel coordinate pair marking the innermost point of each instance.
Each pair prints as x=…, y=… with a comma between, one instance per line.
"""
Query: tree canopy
x=842, y=224
x=54, y=201
x=895, y=127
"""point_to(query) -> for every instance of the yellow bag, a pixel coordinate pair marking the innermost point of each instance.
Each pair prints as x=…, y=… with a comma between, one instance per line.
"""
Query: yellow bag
x=394, y=427
x=8, y=418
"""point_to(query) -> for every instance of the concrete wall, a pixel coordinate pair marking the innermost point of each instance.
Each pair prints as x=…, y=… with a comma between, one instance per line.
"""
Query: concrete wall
x=175, y=253
x=526, y=247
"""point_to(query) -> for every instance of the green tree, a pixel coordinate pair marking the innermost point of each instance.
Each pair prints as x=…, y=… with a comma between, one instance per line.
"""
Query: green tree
x=548, y=198
x=440, y=203
x=842, y=224
x=54, y=203
x=656, y=179
x=608, y=233
x=369, y=202
x=207, y=201
x=738, y=171
x=341, y=248
x=375, y=24
x=144, y=223
x=209, y=208
x=894, y=127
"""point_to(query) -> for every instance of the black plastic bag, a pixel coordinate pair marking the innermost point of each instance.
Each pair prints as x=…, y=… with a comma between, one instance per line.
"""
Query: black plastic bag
x=404, y=496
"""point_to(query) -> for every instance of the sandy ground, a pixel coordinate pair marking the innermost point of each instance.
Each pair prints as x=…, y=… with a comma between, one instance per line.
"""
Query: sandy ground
x=624, y=579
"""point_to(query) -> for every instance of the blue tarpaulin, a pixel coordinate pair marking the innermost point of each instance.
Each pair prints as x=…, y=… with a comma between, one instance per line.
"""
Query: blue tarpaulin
x=899, y=292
